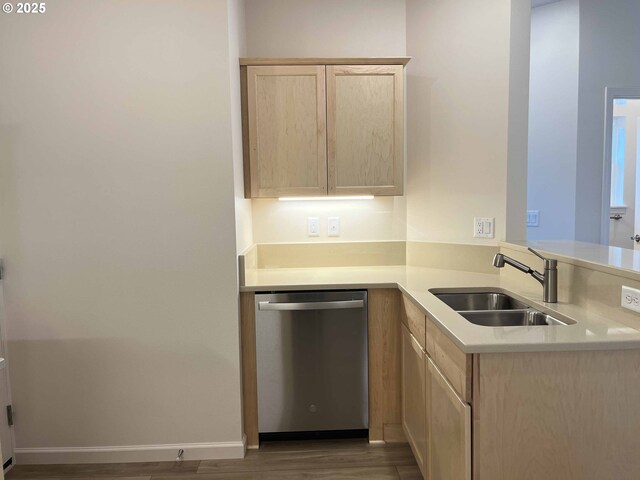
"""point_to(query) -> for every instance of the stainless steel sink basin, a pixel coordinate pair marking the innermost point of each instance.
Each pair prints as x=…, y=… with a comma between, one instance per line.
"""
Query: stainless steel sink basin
x=511, y=318
x=496, y=309
x=461, y=302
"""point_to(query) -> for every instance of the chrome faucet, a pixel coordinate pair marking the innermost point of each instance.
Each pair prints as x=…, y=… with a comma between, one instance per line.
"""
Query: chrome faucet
x=548, y=279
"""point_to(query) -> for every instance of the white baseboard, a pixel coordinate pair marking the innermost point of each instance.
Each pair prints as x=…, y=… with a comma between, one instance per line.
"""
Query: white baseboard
x=129, y=453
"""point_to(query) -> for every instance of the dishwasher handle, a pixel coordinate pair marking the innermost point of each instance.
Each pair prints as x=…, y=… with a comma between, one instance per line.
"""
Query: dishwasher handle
x=335, y=305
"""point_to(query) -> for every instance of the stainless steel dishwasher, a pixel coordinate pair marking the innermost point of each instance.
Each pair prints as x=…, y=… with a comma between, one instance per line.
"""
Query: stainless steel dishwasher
x=312, y=362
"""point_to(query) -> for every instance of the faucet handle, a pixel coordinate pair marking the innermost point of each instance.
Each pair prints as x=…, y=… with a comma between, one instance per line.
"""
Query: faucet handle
x=548, y=262
x=536, y=253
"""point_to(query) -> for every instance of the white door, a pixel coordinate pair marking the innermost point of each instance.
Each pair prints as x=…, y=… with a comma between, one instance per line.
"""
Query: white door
x=623, y=152
x=633, y=144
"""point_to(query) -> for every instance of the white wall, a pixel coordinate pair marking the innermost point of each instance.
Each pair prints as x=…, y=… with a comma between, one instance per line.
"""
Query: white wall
x=334, y=28
x=609, y=44
x=328, y=28
x=237, y=49
x=380, y=219
x=118, y=225
x=517, y=119
x=553, y=119
x=466, y=123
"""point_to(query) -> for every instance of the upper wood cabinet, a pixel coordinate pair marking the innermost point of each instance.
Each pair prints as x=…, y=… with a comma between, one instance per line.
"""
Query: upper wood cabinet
x=332, y=127
x=365, y=118
x=287, y=130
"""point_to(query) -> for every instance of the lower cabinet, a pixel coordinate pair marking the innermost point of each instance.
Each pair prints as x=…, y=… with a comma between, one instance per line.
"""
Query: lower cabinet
x=414, y=397
x=436, y=421
x=449, y=429
x=509, y=393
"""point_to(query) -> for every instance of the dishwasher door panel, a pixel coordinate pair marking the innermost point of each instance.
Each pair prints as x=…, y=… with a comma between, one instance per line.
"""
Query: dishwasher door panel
x=312, y=364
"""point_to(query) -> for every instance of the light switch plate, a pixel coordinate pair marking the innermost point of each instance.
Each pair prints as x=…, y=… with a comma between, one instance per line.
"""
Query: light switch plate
x=333, y=226
x=483, y=227
x=533, y=218
x=313, y=226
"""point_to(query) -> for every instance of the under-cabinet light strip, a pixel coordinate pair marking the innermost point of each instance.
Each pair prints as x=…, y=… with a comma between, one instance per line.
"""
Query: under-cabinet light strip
x=304, y=199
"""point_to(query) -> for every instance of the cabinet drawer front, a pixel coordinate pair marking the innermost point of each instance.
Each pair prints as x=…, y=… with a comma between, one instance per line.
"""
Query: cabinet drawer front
x=414, y=319
x=286, y=118
x=449, y=429
x=413, y=396
x=365, y=129
x=453, y=362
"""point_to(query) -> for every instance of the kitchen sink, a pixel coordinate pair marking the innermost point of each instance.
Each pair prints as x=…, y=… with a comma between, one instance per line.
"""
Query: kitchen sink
x=511, y=318
x=480, y=301
x=496, y=309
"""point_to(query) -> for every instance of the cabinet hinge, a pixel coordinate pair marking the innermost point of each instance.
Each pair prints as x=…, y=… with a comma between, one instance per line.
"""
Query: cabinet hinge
x=1, y=269
x=10, y=415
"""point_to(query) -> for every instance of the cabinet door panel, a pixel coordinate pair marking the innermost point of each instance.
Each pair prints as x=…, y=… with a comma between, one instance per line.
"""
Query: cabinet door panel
x=413, y=396
x=449, y=448
x=414, y=319
x=365, y=129
x=452, y=362
x=287, y=130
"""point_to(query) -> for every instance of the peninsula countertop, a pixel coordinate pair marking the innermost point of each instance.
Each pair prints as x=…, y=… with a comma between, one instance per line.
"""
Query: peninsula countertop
x=590, y=332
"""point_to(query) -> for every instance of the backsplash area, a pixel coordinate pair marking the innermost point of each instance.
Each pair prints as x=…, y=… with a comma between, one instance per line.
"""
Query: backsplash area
x=378, y=219
x=472, y=258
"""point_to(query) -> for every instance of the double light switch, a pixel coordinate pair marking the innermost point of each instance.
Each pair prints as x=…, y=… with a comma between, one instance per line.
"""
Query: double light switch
x=333, y=226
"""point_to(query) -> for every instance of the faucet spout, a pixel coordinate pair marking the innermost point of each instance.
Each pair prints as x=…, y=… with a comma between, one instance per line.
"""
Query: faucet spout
x=500, y=260
x=548, y=279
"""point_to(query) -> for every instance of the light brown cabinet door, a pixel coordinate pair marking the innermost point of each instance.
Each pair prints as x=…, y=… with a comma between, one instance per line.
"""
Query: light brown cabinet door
x=449, y=429
x=413, y=396
x=286, y=122
x=365, y=132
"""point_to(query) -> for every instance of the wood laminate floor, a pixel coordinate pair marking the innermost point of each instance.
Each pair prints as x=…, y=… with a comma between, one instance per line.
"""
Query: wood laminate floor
x=313, y=460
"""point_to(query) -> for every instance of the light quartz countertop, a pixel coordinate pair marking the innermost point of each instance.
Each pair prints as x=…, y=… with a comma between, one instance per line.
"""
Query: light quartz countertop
x=590, y=332
x=616, y=260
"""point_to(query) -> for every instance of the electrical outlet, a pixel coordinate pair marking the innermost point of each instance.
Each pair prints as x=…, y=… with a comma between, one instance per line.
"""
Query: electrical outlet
x=313, y=226
x=630, y=298
x=333, y=226
x=483, y=227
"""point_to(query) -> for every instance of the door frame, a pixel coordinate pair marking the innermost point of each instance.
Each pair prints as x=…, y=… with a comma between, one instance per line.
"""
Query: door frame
x=611, y=94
